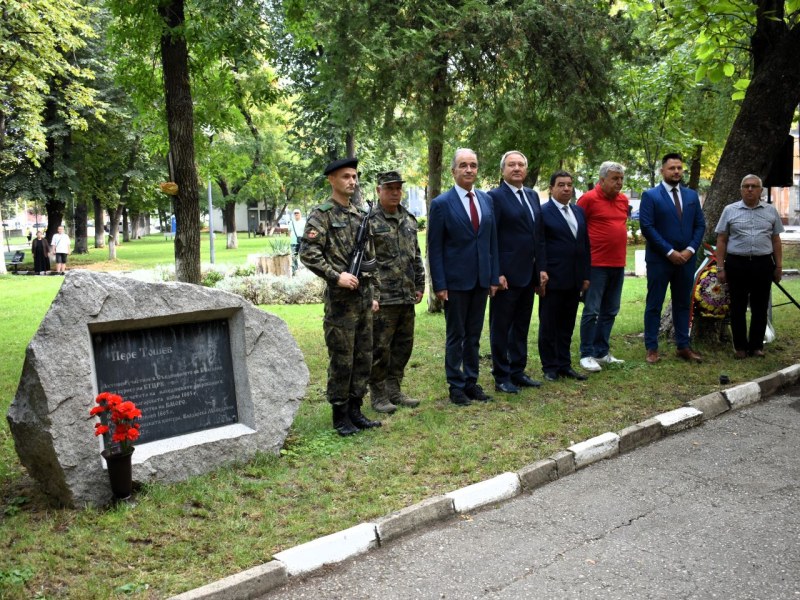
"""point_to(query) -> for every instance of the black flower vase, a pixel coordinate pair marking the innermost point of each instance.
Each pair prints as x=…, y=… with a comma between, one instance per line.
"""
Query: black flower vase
x=120, y=473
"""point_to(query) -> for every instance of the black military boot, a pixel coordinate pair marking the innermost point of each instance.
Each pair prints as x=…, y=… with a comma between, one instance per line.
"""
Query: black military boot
x=359, y=420
x=341, y=420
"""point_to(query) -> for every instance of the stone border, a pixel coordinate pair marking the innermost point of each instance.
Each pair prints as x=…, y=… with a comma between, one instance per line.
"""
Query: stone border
x=331, y=549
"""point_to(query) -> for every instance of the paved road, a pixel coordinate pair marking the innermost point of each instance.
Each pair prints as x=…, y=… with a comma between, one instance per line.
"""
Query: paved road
x=707, y=513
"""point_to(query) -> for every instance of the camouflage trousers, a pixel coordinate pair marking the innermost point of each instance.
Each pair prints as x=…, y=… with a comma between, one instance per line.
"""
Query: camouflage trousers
x=392, y=342
x=348, y=336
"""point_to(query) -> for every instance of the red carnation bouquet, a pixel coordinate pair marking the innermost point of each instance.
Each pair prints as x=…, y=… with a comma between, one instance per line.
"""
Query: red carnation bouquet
x=117, y=418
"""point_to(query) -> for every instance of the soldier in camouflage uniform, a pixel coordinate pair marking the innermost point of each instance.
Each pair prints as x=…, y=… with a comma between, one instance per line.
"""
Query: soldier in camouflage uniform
x=402, y=276
x=350, y=299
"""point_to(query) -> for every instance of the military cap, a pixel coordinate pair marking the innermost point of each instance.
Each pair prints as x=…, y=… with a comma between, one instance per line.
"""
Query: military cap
x=340, y=164
x=390, y=177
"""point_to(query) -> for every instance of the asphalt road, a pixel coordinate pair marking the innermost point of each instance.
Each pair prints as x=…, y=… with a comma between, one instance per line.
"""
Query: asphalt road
x=708, y=513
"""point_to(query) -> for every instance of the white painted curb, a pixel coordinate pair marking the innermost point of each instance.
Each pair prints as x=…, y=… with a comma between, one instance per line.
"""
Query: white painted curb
x=679, y=419
x=479, y=494
x=790, y=374
x=743, y=395
x=594, y=449
x=332, y=548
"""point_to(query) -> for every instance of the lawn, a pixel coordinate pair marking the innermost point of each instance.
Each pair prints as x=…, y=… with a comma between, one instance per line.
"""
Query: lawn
x=178, y=537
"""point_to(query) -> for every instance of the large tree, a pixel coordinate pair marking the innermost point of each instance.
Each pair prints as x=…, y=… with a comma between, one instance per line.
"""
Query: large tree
x=770, y=31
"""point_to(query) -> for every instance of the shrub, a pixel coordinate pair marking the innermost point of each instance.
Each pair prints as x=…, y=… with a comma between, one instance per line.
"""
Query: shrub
x=278, y=246
x=211, y=278
x=244, y=270
x=303, y=288
x=421, y=223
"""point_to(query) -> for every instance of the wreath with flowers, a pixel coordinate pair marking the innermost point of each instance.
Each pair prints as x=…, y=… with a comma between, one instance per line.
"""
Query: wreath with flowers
x=710, y=295
x=118, y=421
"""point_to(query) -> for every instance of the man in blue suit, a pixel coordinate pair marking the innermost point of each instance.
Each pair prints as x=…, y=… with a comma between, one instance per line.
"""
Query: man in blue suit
x=464, y=270
x=568, y=266
x=672, y=223
x=518, y=216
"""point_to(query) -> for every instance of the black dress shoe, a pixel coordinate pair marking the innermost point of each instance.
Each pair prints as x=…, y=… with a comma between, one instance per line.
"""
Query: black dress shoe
x=551, y=376
x=525, y=381
x=508, y=388
x=475, y=392
x=573, y=374
x=459, y=398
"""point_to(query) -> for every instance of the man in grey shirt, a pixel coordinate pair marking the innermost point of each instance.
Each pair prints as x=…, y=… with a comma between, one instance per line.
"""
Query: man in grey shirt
x=750, y=258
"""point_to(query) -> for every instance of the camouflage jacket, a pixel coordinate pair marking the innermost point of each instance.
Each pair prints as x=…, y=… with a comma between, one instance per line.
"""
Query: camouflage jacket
x=329, y=240
x=402, y=272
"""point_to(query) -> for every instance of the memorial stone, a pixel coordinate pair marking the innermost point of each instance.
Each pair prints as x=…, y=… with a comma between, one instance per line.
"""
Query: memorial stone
x=216, y=380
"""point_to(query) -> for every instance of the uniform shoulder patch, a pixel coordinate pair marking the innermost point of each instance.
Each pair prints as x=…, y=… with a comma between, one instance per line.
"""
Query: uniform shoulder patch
x=325, y=207
x=312, y=234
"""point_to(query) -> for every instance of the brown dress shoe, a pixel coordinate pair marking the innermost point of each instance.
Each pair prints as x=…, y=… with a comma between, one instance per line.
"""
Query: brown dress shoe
x=652, y=357
x=688, y=354
x=759, y=353
x=740, y=354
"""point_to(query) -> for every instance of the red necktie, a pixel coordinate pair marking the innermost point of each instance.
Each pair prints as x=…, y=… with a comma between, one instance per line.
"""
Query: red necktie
x=677, y=202
x=473, y=213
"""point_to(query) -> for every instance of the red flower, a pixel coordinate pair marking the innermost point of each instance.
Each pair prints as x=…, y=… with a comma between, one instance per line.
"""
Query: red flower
x=118, y=418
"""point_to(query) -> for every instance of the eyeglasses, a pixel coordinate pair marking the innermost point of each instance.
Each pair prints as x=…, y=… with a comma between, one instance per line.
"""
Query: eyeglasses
x=751, y=186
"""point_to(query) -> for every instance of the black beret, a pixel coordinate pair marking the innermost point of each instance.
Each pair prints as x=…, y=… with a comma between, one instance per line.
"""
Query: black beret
x=340, y=164
x=390, y=177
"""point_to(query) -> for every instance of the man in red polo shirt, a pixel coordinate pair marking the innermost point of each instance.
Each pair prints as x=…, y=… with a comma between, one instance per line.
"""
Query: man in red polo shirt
x=606, y=210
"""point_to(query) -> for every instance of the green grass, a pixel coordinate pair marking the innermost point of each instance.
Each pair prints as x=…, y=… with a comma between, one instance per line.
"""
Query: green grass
x=154, y=250
x=182, y=536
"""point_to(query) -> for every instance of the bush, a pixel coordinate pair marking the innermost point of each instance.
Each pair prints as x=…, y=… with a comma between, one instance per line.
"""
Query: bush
x=303, y=288
x=244, y=271
x=421, y=222
x=211, y=278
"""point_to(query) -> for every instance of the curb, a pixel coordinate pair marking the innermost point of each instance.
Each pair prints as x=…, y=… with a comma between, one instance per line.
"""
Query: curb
x=336, y=547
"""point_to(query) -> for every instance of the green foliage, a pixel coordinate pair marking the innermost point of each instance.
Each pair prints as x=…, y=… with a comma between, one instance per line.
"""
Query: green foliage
x=633, y=227
x=278, y=246
x=15, y=577
x=38, y=41
x=422, y=222
x=303, y=288
x=211, y=278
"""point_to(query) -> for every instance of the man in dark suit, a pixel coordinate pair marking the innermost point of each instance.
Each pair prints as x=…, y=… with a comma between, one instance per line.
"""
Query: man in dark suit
x=462, y=251
x=672, y=223
x=568, y=267
x=518, y=217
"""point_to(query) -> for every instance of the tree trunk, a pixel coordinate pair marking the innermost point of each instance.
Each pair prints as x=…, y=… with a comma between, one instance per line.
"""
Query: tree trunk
x=437, y=117
x=2, y=241
x=53, y=206
x=350, y=144
x=113, y=231
x=765, y=116
x=81, y=228
x=136, y=221
x=99, y=223
x=695, y=166
x=126, y=230
x=180, y=124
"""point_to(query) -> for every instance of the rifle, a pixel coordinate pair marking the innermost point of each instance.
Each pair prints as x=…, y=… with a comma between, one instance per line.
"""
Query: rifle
x=357, y=264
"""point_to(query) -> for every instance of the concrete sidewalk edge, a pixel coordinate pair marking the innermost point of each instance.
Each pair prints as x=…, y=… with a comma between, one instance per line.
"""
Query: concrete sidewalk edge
x=306, y=558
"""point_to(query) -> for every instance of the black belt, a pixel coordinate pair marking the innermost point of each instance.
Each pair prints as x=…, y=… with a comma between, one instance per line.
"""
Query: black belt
x=748, y=256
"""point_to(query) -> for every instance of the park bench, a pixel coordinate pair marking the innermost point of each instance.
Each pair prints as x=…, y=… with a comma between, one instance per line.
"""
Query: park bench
x=14, y=258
